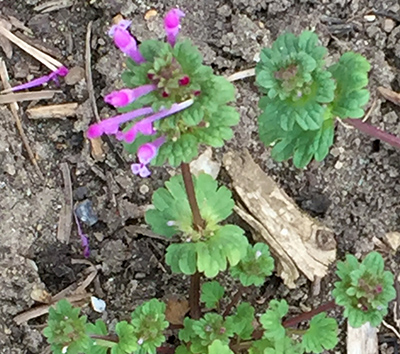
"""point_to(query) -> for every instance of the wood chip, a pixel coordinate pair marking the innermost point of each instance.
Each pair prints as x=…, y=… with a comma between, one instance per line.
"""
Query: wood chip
x=298, y=242
x=362, y=340
x=27, y=96
x=176, y=310
x=53, y=5
x=389, y=95
x=52, y=111
x=65, y=219
x=393, y=239
x=150, y=14
x=97, y=151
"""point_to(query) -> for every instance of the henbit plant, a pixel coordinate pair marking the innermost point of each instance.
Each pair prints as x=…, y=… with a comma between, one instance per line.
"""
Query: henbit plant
x=303, y=96
x=183, y=105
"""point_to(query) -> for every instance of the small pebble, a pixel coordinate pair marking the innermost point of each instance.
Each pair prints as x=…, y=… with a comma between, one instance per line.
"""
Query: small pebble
x=84, y=211
x=144, y=189
x=98, y=236
x=101, y=41
x=75, y=75
x=370, y=18
x=388, y=25
x=140, y=275
x=338, y=165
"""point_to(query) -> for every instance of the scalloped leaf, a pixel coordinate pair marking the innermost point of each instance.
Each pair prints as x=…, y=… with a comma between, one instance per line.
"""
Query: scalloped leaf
x=217, y=347
x=211, y=293
x=242, y=321
x=322, y=334
x=271, y=320
x=127, y=341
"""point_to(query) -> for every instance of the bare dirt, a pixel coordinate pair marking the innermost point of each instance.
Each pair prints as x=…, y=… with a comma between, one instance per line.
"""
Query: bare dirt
x=355, y=191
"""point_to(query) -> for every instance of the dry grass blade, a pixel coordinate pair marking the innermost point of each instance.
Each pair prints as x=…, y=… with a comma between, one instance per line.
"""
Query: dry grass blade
x=390, y=95
x=65, y=220
x=27, y=96
x=14, y=111
x=52, y=111
x=53, y=6
x=241, y=75
x=45, y=59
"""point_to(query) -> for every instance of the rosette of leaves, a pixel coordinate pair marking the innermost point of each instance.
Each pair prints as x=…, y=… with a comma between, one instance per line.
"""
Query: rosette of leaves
x=148, y=322
x=179, y=75
x=202, y=333
x=365, y=289
x=208, y=250
x=255, y=266
x=302, y=97
x=66, y=331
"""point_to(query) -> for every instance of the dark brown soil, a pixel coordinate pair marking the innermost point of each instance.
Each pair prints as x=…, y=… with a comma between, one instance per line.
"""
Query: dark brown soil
x=355, y=191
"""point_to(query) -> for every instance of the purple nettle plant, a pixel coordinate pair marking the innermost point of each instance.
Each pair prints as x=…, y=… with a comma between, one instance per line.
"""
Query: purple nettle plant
x=171, y=103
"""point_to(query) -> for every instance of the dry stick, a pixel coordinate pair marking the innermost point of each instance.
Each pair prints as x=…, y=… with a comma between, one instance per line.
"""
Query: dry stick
x=374, y=132
x=45, y=59
x=88, y=67
x=14, y=111
x=27, y=96
x=198, y=224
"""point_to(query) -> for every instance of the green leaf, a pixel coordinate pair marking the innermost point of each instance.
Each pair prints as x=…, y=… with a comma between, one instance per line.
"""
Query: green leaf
x=127, y=341
x=152, y=49
x=271, y=320
x=255, y=266
x=351, y=75
x=322, y=334
x=217, y=347
x=211, y=293
x=242, y=321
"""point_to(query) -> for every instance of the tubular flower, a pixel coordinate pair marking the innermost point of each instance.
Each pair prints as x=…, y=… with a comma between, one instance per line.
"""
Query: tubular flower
x=62, y=71
x=111, y=125
x=145, y=126
x=126, y=96
x=125, y=42
x=146, y=153
x=172, y=25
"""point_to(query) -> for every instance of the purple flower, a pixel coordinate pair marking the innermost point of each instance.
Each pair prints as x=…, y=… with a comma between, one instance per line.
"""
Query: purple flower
x=125, y=42
x=146, y=153
x=111, y=125
x=172, y=24
x=145, y=126
x=62, y=71
x=126, y=96
x=84, y=238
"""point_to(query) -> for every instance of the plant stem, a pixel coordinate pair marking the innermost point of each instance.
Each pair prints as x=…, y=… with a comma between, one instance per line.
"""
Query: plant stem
x=310, y=314
x=374, y=131
x=234, y=300
x=198, y=224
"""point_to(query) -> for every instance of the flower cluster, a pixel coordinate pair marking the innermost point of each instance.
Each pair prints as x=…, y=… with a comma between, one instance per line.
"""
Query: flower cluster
x=171, y=103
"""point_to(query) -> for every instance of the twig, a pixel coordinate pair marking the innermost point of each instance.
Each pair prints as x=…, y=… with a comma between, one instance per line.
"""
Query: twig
x=369, y=111
x=65, y=220
x=234, y=300
x=45, y=59
x=88, y=67
x=52, y=111
x=18, y=123
x=394, y=330
x=27, y=96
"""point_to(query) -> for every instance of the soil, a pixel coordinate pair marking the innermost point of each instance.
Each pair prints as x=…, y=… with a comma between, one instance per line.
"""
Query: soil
x=354, y=191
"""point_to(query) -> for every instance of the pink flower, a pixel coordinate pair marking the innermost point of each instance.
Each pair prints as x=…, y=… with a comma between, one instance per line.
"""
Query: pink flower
x=125, y=42
x=145, y=126
x=172, y=24
x=62, y=71
x=111, y=125
x=126, y=96
x=146, y=153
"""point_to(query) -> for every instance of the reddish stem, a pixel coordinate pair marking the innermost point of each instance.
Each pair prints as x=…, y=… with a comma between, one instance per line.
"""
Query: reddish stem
x=374, y=131
x=234, y=300
x=306, y=316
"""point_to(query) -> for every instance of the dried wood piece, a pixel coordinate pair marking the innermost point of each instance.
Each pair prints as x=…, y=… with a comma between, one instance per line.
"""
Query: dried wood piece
x=362, y=340
x=242, y=75
x=298, y=242
x=97, y=151
x=27, y=96
x=52, y=111
x=53, y=5
x=5, y=44
x=389, y=95
x=65, y=220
